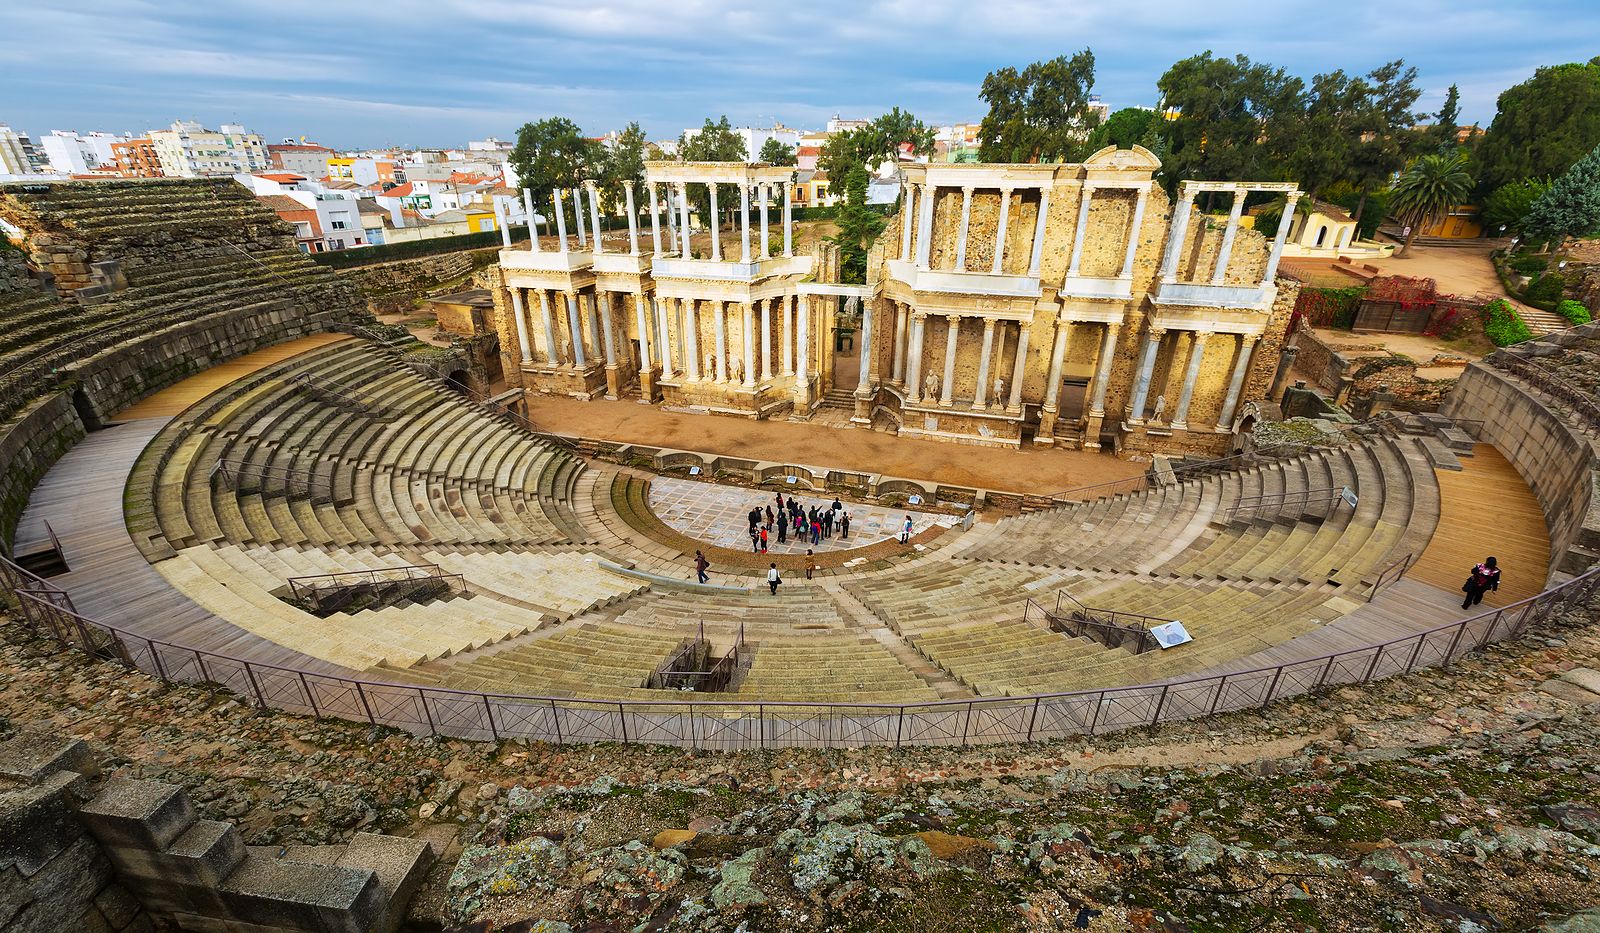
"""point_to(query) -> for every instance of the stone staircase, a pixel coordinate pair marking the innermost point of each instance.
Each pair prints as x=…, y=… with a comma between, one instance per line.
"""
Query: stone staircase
x=1539, y=321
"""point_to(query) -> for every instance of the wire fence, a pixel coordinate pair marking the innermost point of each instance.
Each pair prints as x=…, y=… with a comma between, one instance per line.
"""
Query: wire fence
x=736, y=725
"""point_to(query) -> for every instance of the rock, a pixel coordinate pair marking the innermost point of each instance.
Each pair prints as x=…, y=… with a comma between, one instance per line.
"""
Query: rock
x=671, y=838
x=946, y=846
x=1578, y=818
x=1584, y=921
x=427, y=810
x=734, y=890
x=1201, y=852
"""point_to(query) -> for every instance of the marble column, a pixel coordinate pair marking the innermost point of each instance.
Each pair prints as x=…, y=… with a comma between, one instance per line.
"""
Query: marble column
x=633, y=219
x=641, y=320
x=900, y=340
x=599, y=339
x=1078, y=232
x=1037, y=257
x=1133, y=232
x=714, y=225
x=1147, y=365
x=914, y=359
x=981, y=396
x=577, y=215
x=787, y=364
x=664, y=345
x=908, y=200
x=594, y=215
x=1102, y=375
x=608, y=340
x=1191, y=375
x=766, y=338
x=961, y=234
x=802, y=371
x=522, y=325
x=952, y=331
x=561, y=221
x=1175, y=236
x=670, y=196
x=691, y=332
x=1241, y=367
x=1058, y=359
x=719, y=328
x=764, y=190
x=744, y=222
x=1226, y=249
x=864, y=385
x=925, y=226
x=788, y=224
x=749, y=328
x=684, y=248
x=552, y=353
x=575, y=327
x=1278, y=241
x=533, y=225
x=1019, y=369
x=655, y=219
x=501, y=220
x=1000, y=232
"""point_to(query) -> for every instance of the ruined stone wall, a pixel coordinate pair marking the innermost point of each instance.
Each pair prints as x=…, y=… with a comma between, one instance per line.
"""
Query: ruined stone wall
x=29, y=446
x=399, y=285
x=1322, y=363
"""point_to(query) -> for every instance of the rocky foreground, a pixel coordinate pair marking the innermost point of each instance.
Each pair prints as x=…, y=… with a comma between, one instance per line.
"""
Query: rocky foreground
x=1463, y=800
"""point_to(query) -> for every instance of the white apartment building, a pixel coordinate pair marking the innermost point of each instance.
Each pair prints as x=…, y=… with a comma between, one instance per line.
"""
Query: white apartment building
x=73, y=153
x=189, y=150
x=755, y=137
x=14, y=153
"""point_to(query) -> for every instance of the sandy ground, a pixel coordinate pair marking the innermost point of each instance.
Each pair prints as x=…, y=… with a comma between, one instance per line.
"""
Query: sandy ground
x=1459, y=270
x=1419, y=347
x=1024, y=471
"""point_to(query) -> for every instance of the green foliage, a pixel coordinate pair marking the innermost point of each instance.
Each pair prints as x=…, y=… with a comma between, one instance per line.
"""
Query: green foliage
x=1428, y=189
x=624, y=162
x=1571, y=205
x=1442, y=135
x=1543, y=125
x=1040, y=114
x=859, y=227
x=1236, y=118
x=553, y=154
x=1509, y=204
x=1574, y=312
x=367, y=255
x=1367, y=207
x=1528, y=264
x=716, y=142
x=1545, y=291
x=774, y=152
x=1124, y=129
x=1330, y=307
x=1502, y=325
x=874, y=144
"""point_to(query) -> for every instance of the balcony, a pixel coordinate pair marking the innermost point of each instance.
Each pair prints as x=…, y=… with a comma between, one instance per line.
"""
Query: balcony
x=625, y=263
x=1201, y=295
x=1089, y=286
x=952, y=282
x=546, y=260
x=731, y=271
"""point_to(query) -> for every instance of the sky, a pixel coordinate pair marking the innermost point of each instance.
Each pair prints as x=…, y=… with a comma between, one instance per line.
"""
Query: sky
x=441, y=72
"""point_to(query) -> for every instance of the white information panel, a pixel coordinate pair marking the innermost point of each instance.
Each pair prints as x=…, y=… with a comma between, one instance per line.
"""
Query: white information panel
x=1170, y=634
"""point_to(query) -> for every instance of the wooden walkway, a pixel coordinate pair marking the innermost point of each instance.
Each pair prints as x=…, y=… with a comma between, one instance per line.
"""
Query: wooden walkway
x=1487, y=509
x=175, y=398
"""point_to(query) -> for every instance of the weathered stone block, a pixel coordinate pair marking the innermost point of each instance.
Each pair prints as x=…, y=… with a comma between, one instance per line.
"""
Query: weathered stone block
x=139, y=814
x=274, y=892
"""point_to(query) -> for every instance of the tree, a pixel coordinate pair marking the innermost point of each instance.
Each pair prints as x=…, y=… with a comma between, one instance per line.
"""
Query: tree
x=1124, y=129
x=1542, y=125
x=774, y=152
x=1040, y=114
x=874, y=144
x=1236, y=119
x=1385, y=138
x=1508, y=205
x=859, y=227
x=1429, y=188
x=1442, y=135
x=625, y=162
x=1571, y=207
x=715, y=142
x=553, y=154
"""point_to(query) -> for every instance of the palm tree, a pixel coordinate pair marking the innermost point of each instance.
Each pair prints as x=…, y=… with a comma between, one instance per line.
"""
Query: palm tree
x=1428, y=189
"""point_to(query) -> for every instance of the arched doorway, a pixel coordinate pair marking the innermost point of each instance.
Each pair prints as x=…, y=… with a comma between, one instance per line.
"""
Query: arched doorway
x=457, y=380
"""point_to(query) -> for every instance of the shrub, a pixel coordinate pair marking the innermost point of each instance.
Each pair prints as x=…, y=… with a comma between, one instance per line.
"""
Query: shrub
x=1502, y=325
x=1574, y=312
x=1528, y=264
x=1545, y=292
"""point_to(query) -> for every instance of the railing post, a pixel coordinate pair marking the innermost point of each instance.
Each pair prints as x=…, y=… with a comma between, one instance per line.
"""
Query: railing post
x=1095, y=719
x=622, y=717
x=255, y=686
x=761, y=713
x=1272, y=687
x=489, y=711
x=966, y=725
x=1411, y=663
x=161, y=669
x=1160, y=703
x=362, y=696
x=310, y=699
x=1216, y=701
x=1377, y=653
x=1450, y=653
x=1033, y=717
x=555, y=719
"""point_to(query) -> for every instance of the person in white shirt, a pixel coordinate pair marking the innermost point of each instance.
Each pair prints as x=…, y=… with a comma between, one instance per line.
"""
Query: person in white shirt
x=773, y=579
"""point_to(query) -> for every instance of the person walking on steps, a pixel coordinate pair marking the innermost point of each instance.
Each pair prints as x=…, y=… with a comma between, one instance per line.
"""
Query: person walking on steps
x=1484, y=577
x=810, y=564
x=700, y=566
x=773, y=579
x=905, y=531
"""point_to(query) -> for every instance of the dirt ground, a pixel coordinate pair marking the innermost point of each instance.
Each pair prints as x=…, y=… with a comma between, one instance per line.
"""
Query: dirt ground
x=1022, y=471
x=1459, y=270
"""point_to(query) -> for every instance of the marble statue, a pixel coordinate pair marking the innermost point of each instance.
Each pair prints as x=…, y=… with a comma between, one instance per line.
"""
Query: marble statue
x=736, y=369
x=711, y=366
x=930, y=387
x=1000, y=391
x=1161, y=408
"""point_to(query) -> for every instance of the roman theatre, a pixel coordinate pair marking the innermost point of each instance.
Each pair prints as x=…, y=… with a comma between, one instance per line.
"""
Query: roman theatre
x=220, y=469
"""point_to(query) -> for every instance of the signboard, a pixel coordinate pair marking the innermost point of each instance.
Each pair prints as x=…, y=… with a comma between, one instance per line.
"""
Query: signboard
x=1349, y=496
x=694, y=471
x=791, y=480
x=915, y=500
x=1170, y=634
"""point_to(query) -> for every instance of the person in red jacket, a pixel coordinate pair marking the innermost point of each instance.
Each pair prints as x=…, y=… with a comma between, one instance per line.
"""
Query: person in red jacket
x=1484, y=577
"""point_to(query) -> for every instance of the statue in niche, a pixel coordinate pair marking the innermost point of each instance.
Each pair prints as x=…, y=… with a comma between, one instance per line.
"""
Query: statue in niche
x=930, y=387
x=711, y=366
x=736, y=369
x=1161, y=409
x=999, y=391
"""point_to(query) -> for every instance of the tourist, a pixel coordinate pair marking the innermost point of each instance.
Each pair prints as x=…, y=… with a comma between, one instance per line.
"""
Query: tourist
x=844, y=526
x=763, y=540
x=769, y=518
x=1484, y=577
x=773, y=579
x=810, y=564
x=755, y=539
x=905, y=531
x=816, y=530
x=778, y=498
x=783, y=531
x=701, y=565
x=799, y=525
x=837, y=505
x=827, y=524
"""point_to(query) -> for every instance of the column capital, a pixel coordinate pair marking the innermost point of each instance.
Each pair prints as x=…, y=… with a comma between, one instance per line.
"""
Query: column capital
x=967, y=190
x=1006, y=191
x=1248, y=339
x=589, y=183
x=1156, y=331
x=627, y=183
x=953, y=317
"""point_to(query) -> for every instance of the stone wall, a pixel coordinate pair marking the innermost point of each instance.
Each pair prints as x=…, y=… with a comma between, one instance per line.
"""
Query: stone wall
x=1560, y=464
x=396, y=286
x=79, y=853
x=1322, y=363
x=29, y=446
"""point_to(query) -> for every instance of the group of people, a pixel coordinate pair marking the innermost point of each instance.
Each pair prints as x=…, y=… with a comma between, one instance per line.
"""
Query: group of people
x=786, y=517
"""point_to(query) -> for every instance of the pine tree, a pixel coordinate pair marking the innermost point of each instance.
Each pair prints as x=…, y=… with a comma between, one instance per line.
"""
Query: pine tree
x=1572, y=205
x=859, y=226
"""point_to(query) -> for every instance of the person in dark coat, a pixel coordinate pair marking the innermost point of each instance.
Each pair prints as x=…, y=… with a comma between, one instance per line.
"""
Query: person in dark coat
x=844, y=526
x=1484, y=577
x=700, y=566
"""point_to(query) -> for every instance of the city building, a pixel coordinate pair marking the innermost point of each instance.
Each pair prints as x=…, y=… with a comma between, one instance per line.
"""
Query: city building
x=136, y=158
x=840, y=125
x=16, y=152
x=754, y=137
x=373, y=173
x=189, y=150
x=321, y=223
x=307, y=159
x=72, y=153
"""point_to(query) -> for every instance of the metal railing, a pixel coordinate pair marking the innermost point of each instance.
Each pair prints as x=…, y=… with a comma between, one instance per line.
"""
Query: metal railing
x=331, y=592
x=272, y=480
x=1113, y=628
x=734, y=725
x=1391, y=574
x=1276, y=502
x=683, y=671
x=1550, y=380
x=341, y=398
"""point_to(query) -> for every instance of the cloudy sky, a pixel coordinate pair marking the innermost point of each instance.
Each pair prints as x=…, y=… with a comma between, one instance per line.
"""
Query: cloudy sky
x=440, y=72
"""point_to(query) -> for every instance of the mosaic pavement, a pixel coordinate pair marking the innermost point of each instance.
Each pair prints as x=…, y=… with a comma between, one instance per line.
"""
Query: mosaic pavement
x=716, y=514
